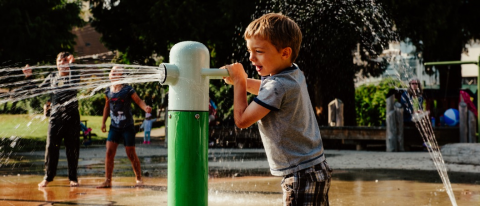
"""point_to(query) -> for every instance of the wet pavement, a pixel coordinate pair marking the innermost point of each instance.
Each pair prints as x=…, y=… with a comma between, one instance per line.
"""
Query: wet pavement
x=238, y=177
x=254, y=190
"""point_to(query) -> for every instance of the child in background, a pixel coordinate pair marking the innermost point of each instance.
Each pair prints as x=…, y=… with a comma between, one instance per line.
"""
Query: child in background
x=147, y=127
x=212, y=111
x=118, y=105
x=282, y=110
x=85, y=131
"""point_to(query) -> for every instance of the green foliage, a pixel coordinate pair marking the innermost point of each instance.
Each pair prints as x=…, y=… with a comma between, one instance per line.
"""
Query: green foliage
x=139, y=30
x=219, y=24
x=151, y=93
x=370, y=102
x=92, y=105
x=34, y=32
x=37, y=30
x=331, y=30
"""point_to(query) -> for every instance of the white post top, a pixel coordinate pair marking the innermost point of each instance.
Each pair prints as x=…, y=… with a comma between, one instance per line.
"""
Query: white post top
x=190, y=91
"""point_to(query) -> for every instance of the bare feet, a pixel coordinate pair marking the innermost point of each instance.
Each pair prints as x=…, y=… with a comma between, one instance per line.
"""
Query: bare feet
x=44, y=183
x=74, y=184
x=139, y=183
x=105, y=184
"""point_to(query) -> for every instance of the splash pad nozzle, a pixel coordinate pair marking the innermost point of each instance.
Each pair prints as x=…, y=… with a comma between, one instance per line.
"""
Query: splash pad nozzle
x=188, y=75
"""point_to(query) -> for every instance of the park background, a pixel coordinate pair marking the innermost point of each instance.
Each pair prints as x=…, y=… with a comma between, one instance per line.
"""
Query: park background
x=355, y=51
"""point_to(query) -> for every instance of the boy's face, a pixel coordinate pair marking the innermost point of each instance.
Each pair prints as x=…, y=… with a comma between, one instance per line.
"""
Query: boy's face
x=266, y=58
x=62, y=65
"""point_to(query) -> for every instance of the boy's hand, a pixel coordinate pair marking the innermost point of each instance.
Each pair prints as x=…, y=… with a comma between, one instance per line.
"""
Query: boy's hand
x=27, y=71
x=104, y=128
x=148, y=109
x=228, y=80
x=70, y=59
x=237, y=73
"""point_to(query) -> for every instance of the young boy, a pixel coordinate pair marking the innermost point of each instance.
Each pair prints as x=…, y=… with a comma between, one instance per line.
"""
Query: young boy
x=117, y=105
x=147, y=127
x=282, y=109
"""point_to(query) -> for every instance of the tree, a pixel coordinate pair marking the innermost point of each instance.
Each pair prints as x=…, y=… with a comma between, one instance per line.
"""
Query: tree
x=140, y=30
x=439, y=29
x=153, y=27
x=332, y=30
x=34, y=32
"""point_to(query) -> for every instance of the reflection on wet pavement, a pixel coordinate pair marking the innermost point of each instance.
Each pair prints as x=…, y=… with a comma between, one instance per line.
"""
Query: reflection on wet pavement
x=236, y=177
x=23, y=190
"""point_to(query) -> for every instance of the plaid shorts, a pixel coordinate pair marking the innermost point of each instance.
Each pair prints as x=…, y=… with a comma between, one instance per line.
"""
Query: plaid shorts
x=307, y=187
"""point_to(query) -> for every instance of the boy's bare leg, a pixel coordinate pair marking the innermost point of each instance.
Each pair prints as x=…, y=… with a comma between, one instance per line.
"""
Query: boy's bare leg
x=109, y=158
x=44, y=183
x=132, y=156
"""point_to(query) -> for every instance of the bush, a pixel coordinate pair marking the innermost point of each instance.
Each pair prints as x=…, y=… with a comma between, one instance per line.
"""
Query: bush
x=370, y=102
x=92, y=106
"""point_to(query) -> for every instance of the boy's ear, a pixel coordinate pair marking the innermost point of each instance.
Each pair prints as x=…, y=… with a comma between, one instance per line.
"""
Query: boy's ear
x=286, y=52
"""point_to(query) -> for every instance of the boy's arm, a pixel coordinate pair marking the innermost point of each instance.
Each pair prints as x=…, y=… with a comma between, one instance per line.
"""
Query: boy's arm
x=253, y=85
x=141, y=103
x=106, y=111
x=244, y=114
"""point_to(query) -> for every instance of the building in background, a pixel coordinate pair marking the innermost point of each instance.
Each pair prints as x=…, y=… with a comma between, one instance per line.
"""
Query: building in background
x=404, y=63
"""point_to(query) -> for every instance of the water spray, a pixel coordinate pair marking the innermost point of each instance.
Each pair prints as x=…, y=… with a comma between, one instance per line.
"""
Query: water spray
x=188, y=75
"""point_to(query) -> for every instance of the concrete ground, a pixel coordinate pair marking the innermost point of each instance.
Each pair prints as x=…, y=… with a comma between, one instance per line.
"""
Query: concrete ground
x=227, y=166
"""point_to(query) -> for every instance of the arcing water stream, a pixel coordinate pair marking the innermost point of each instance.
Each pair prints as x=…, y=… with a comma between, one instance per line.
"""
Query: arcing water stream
x=424, y=125
x=93, y=77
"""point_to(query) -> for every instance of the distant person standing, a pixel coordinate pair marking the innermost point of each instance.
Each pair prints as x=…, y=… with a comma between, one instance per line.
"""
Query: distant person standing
x=147, y=127
x=412, y=101
x=118, y=107
x=64, y=122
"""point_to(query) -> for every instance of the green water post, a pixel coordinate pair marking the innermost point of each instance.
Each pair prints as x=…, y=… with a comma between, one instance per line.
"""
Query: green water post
x=446, y=63
x=188, y=76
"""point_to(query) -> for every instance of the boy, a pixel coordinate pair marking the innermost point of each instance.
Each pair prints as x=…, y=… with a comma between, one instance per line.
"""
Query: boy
x=64, y=120
x=285, y=116
x=118, y=106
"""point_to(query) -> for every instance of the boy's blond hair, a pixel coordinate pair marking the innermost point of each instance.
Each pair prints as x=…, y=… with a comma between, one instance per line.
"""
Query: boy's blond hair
x=280, y=30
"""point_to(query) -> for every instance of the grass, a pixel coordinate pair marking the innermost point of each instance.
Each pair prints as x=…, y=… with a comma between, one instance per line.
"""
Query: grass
x=28, y=132
x=35, y=126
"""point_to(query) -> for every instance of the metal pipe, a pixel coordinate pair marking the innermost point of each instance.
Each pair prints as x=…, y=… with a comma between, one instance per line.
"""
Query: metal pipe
x=444, y=63
x=449, y=63
x=188, y=124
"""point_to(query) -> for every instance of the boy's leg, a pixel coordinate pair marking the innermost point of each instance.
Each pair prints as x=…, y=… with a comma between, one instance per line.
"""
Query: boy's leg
x=52, y=150
x=70, y=129
x=308, y=187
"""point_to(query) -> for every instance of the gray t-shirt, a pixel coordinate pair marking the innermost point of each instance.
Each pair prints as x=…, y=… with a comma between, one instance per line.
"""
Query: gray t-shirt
x=289, y=132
